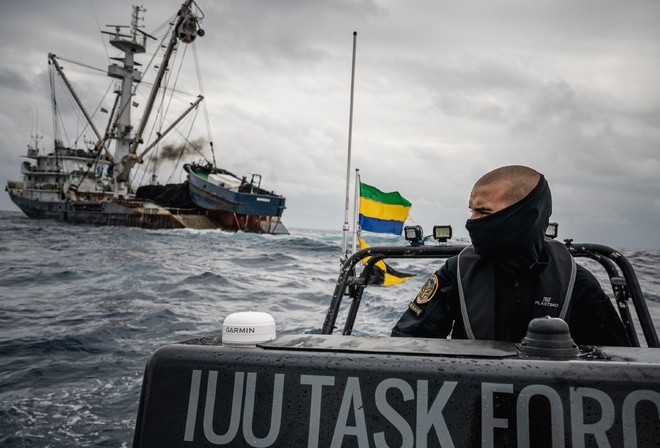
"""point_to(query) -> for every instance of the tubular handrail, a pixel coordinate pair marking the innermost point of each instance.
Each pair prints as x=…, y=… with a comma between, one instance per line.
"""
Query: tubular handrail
x=624, y=287
x=347, y=273
x=645, y=321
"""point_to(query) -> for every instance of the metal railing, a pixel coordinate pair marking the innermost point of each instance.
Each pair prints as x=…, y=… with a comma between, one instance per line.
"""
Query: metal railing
x=623, y=280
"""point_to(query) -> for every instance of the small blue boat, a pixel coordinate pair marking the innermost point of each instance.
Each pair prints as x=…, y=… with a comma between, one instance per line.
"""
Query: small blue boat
x=237, y=203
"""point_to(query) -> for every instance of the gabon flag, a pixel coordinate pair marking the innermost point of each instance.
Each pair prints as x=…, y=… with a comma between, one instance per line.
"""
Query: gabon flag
x=383, y=274
x=382, y=212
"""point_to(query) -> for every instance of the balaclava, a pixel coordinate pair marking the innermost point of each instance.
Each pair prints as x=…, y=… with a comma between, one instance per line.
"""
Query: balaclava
x=513, y=237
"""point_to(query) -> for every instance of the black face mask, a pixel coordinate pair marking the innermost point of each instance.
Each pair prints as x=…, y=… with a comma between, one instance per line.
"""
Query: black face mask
x=513, y=237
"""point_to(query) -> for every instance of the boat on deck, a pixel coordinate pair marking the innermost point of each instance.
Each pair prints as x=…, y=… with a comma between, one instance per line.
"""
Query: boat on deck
x=249, y=387
x=238, y=203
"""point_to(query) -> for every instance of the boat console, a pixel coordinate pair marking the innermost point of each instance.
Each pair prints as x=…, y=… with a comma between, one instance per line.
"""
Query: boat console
x=248, y=388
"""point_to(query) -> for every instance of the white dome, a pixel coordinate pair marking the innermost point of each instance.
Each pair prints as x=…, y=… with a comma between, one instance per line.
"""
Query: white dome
x=248, y=328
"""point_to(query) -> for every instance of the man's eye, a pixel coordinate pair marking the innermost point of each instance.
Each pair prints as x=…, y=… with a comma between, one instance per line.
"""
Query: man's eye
x=479, y=213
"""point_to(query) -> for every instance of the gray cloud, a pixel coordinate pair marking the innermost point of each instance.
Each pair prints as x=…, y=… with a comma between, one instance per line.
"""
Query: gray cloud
x=13, y=80
x=444, y=92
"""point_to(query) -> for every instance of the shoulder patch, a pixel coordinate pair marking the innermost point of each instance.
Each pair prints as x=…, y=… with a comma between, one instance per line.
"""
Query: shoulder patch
x=428, y=290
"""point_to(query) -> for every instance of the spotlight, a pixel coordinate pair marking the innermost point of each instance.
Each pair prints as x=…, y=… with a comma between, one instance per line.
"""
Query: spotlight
x=551, y=231
x=414, y=235
x=442, y=233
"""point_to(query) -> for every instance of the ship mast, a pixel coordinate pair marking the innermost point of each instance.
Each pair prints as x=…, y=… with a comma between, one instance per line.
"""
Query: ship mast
x=127, y=142
x=128, y=74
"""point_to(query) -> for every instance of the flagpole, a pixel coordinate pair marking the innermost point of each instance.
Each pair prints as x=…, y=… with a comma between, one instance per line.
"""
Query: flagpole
x=356, y=200
x=348, y=164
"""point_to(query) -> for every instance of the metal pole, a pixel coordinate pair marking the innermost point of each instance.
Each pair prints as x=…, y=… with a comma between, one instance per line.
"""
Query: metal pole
x=356, y=202
x=53, y=60
x=348, y=163
x=172, y=126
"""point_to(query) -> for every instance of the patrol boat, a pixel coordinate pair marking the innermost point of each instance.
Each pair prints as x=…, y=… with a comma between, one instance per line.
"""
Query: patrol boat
x=249, y=388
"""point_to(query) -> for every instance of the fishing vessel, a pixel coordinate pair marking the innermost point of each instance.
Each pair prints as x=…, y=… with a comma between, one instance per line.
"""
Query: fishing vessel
x=99, y=183
x=249, y=387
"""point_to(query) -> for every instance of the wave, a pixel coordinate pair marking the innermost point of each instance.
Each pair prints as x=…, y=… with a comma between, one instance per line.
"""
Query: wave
x=84, y=307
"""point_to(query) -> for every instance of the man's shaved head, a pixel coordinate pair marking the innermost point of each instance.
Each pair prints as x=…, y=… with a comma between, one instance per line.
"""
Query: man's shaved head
x=519, y=180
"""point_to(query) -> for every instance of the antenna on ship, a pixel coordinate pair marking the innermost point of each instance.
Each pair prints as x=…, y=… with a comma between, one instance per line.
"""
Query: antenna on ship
x=345, y=227
x=36, y=138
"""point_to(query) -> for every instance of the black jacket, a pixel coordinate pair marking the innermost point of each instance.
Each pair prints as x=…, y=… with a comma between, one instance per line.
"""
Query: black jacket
x=592, y=318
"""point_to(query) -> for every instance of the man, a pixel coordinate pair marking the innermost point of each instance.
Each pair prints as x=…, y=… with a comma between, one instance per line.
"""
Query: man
x=511, y=273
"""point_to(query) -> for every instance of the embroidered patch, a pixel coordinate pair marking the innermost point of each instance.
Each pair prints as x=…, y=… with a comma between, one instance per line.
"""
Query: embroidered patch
x=415, y=309
x=547, y=302
x=428, y=290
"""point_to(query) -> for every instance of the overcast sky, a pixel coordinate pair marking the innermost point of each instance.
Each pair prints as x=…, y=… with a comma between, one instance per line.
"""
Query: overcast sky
x=444, y=92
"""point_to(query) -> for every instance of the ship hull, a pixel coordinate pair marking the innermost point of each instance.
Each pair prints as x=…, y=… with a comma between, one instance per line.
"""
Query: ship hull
x=396, y=391
x=248, y=223
x=145, y=214
x=109, y=213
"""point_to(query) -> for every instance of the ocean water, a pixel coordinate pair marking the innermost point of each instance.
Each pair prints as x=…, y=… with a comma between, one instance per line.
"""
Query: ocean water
x=82, y=308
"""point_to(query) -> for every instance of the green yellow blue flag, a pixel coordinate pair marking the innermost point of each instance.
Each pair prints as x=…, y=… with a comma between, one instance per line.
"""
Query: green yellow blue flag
x=383, y=274
x=382, y=212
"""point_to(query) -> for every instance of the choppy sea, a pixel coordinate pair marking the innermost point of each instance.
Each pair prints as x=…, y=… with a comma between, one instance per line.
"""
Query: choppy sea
x=82, y=308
